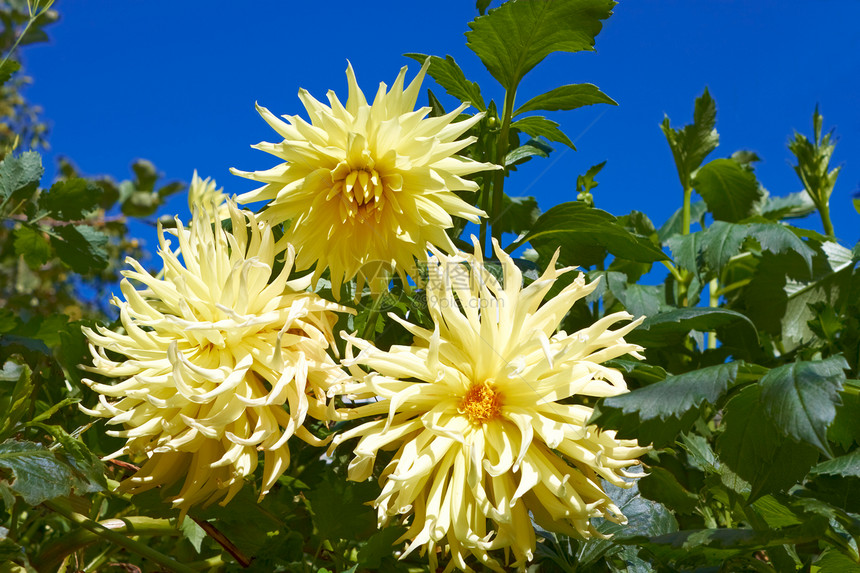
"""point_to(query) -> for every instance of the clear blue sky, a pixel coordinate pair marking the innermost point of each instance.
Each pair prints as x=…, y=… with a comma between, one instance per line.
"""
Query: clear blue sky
x=176, y=82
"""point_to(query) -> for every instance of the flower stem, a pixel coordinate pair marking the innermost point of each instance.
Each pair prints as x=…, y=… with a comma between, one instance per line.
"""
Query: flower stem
x=131, y=526
x=824, y=211
x=685, y=276
x=33, y=18
x=674, y=270
x=714, y=289
x=685, y=215
x=501, y=153
x=370, y=325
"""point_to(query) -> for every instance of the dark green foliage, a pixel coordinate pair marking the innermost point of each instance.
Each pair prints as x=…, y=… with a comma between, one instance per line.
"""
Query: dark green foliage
x=585, y=235
x=748, y=391
x=659, y=412
x=754, y=446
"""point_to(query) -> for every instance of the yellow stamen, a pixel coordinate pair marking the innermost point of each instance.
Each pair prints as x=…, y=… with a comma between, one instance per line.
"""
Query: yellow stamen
x=481, y=403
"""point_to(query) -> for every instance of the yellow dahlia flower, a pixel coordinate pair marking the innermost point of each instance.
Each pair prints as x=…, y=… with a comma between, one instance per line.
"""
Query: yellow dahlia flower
x=217, y=362
x=203, y=193
x=363, y=183
x=485, y=416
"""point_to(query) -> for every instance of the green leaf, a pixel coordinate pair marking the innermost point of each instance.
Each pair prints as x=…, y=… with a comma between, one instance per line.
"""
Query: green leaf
x=731, y=192
x=526, y=151
x=645, y=373
x=449, y=75
x=585, y=234
x=518, y=215
x=813, y=160
x=193, y=533
x=830, y=285
x=672, y=226
x=379, y=547
x=644, y=518
x=845, y=466
x=692, y=143
x=686, y=250
x=7, y=68
x=775, y=513
x=146, y=174
x=518, y=35
x=833, y=561
x=30, y=243
x=661, y=486
x=791, y=206
x=81, y=247
x=721, y=241
x=19, y=176
x=779, y=297
x=658, y=412
x=801, y=398
x=87, y=469
x=658, y=330
x=566, y=98
x=481, y=5
x=757, y=450
x=38, y=473
x=70, y=200
x=15, y=390
x=845, y=429
x=638, y=300
x=339, y=508
x=538, y=126
x=706, y=546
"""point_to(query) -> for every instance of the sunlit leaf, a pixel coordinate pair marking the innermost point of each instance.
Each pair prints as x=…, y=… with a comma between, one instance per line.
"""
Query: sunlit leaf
x=566, y=98
x=19, y=176
x=585, y=235
x=731, y=192
x=692, y=143
x=537, y=126
x=754, y=447
x=448, y=74
x=801, y=398
x=515, y=37
x=32, y=245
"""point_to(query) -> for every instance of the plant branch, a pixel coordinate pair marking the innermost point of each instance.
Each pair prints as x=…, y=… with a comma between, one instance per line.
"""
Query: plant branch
x=112, y=530
x=501, y=153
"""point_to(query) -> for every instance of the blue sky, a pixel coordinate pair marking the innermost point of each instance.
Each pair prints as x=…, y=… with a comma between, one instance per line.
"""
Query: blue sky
x=176, y=82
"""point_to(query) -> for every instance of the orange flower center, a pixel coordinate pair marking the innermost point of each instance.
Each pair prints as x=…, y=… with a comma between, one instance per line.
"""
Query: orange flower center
x=481, y=403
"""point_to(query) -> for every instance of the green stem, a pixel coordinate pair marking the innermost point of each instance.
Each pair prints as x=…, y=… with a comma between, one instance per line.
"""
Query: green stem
x=20, y=36
x=33, y=18
x=674, y=270
x=486, y=188
x=116, y=535
x=99, y=559
x=824, y=211
x=501, y=153
x=734, y=286
x=714, y=291
x=685, y=276
x=216, y=561
x=515, y=245
x=370, y=325
x=685, y=215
